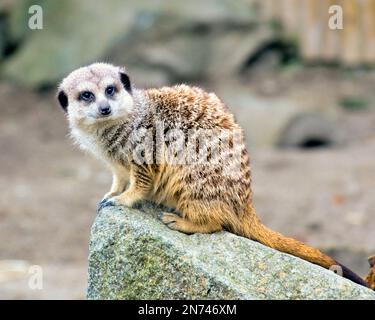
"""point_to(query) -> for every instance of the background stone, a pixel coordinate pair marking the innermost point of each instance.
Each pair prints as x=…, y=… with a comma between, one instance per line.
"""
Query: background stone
x=162, y=38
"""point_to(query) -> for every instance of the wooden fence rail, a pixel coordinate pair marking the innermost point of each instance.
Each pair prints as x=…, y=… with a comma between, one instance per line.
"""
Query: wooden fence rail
x=307, y=21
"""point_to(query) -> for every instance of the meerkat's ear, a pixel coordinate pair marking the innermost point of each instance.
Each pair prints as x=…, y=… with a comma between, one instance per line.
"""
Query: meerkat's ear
x=63, y=99
x=125, y=81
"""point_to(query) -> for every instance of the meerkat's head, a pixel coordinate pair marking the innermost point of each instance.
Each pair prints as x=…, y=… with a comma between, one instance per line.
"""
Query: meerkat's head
x=96, y=93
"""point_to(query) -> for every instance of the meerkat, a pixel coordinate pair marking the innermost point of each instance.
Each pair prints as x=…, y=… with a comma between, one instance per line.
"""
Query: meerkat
x=370, y=278
x=108, y=117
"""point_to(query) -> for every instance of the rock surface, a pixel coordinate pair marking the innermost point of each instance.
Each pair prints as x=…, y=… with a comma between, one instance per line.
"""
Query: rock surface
x=134, y=256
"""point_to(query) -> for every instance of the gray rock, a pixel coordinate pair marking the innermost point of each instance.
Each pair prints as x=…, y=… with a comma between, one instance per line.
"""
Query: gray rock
x=6, y=7
x=134, y=256
x=74, y=33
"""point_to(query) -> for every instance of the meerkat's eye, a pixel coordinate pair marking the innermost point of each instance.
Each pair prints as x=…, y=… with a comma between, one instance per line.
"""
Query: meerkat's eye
x=87, y=96
x=110, y=91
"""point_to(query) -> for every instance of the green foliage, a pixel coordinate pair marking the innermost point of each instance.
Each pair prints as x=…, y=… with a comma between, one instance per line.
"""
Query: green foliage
x=354, y=103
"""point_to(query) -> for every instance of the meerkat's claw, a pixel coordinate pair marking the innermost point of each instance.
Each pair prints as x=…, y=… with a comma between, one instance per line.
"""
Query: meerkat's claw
x=106, y=203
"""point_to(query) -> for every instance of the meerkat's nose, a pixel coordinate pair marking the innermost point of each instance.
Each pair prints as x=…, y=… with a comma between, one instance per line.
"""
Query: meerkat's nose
x=104, y=109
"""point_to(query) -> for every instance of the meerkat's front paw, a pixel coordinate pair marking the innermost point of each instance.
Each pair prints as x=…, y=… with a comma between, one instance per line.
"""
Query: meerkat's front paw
x=124, y=200
x=109, y=195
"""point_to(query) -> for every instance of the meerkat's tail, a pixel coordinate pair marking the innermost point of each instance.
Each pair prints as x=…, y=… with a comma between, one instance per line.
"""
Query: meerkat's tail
x=255, y=230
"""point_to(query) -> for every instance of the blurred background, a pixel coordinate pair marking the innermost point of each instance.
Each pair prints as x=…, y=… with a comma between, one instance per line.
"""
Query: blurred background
x=303, y=92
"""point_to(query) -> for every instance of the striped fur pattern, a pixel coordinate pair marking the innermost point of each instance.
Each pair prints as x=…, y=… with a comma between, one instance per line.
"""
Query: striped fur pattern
x=208, y=195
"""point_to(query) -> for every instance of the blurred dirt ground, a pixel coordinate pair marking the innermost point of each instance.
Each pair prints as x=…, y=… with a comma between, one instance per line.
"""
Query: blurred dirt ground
x=324, y=197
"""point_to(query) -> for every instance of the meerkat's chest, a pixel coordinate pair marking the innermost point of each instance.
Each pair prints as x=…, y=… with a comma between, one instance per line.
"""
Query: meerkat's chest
x=87, y=142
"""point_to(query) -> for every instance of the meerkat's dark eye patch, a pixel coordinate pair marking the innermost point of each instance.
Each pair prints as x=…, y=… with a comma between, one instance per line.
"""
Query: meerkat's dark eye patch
x=125, y=81
x=110, y=90
x=87, y=96
x=63, y=100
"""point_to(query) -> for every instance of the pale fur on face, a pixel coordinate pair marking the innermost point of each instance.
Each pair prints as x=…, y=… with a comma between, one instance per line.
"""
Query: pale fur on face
x=95, y=78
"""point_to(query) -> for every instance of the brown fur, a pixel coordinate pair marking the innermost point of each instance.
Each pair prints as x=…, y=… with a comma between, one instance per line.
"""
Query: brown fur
x=207, y=200
x=370, y=278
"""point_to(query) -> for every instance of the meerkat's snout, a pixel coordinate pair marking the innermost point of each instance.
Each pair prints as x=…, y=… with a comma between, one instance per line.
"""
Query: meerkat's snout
x=104, y=109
